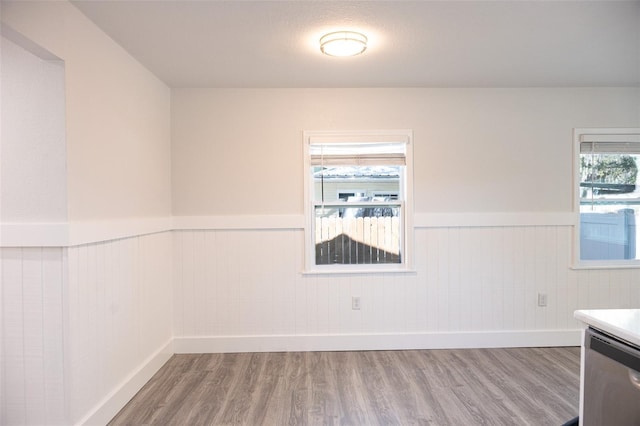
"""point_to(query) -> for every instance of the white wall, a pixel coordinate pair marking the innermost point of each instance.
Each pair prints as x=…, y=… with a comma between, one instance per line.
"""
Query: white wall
x=87, y=321
x=33, y=180
x=476, y=150
x=493, y=203
x=117, y=115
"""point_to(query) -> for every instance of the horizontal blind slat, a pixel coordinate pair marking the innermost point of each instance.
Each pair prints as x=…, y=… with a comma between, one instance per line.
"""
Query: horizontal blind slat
x=359, y=160
x=357, y=139
x=610, y=147
x=605, y=138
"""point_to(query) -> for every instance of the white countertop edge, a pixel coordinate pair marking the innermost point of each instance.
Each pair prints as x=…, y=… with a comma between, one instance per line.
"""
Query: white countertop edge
x=621, y=323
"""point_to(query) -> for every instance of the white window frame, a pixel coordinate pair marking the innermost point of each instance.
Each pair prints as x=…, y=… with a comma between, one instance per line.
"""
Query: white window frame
x=596, y=135
x=406, y=218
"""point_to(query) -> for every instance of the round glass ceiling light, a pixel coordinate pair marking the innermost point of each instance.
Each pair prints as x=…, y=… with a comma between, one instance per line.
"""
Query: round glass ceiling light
x=343, y=43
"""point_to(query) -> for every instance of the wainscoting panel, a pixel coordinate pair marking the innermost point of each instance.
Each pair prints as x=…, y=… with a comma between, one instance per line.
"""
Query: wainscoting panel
x=119, y=314
x=248, y=283
x=229, y=282
x=83, y=328
x=32, y=386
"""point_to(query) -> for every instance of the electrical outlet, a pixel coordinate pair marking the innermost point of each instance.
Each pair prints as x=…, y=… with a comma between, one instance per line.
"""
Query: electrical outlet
x=542, y=299
x=355, y=303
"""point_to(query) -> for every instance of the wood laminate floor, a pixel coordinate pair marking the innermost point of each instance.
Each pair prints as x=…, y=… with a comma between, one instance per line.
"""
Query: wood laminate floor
x=516, y=386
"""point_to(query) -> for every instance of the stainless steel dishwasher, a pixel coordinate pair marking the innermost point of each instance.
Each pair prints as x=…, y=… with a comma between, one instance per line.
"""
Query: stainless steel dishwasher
x=611, y=381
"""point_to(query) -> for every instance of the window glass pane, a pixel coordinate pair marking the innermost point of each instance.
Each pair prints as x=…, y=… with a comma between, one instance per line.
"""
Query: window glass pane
x=356, y=183
x=366, y=232
x=609, y=205
x=357, y=234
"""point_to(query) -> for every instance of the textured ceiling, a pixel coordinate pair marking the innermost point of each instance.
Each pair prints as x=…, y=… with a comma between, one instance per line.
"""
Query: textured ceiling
x=413, y=43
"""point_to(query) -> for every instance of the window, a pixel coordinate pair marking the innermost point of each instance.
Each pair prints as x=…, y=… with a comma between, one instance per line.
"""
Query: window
x=357, y=202
x=608, y=196
x=345, y=195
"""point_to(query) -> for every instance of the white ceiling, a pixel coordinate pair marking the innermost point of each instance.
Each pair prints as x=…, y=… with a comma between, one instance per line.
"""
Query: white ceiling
x=520, y=43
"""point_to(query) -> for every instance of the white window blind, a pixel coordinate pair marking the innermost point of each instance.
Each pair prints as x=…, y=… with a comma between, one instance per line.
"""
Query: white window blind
x=610, y=148
x=359, y=154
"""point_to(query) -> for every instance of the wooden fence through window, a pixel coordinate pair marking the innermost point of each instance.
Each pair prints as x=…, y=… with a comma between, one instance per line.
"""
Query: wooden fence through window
x=361, y=240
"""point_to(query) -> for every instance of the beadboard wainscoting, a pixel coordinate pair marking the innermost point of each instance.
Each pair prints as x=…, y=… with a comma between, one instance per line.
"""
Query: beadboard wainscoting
x=33, y=388
x=84, y=327
x=119, y=322
x=243, y=290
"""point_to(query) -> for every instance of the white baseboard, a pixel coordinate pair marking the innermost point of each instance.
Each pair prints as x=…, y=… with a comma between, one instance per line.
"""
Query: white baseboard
x=349, y=342
x=106, y=409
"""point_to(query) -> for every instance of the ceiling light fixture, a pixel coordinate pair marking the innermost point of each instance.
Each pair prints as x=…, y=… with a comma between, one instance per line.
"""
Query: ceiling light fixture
x=343, y=43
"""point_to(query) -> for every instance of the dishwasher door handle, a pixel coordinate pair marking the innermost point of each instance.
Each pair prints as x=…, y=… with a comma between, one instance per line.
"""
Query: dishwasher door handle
x=623, y=353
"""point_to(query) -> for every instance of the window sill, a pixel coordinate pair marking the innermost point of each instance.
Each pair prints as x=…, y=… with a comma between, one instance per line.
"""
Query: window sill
x=596, y=265
x=362, y=271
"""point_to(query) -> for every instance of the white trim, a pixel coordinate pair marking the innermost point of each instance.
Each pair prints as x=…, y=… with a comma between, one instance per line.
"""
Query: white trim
x=384, y=269
x=65, y=234
x=106, y=230
x=111, y=404
x=34, y=234
x=284, y=221
x=478, y=219
x=377, y=341
x=575, y=154
x=604, y=264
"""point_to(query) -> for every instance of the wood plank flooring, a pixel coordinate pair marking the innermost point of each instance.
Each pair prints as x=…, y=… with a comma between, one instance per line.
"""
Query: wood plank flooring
x=515, y=386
